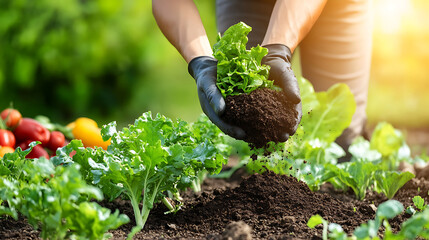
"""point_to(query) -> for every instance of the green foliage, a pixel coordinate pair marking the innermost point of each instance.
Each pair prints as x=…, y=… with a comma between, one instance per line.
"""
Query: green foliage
x=330, y=230
x=331, y=114
x=385, y=139
x=361, y=151
x=385, y=211
x=73, y=55
x=204, y=129
x=414, y=227
x=326, y=115
x=419, y=202
x=239, y=70
x=55, y=199
x=152, y=156
x=389, y=182
x=356, y=175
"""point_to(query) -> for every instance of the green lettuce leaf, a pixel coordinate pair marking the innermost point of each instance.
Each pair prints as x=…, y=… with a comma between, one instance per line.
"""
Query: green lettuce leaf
x=386, y=139
x=332, y=115
x=153, y=156
x=239, y=70
x=389, y=182
x=356, y=175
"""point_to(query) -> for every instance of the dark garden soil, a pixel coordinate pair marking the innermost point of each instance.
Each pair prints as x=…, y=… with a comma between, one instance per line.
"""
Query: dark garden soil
x=264, y=115
x=266, y=206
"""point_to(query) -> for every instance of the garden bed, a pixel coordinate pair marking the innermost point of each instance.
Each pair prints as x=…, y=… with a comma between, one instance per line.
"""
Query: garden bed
x=274, y=206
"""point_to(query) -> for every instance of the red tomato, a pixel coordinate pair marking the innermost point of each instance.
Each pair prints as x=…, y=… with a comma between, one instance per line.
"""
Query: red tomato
x=32, y=130
x=56, y=140
x=36, y=152
x=7, y=138
x=12, y=117
x=4, y=150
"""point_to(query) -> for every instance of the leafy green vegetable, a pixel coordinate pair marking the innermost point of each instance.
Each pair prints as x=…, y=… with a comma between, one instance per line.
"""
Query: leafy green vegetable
x=204, y=129
x=389, y=182
x=150, y=157
x=419, y=202
x=360, y=150
x=314, y=175
x=385, y=139
x=356, y=175
x=239, y=70
x=330, y=230
x=385, y=211
x=390, y=143
x=316, y=220
x=56, y=200
x=416, y=226
x=12, y=163
x=326, y=114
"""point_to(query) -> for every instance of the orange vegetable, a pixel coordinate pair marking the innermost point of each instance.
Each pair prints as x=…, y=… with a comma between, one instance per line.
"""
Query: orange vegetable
x=88, y=131
x=5, y=149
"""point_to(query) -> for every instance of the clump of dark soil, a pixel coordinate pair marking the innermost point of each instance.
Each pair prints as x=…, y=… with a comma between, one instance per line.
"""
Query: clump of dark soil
x=264, y=114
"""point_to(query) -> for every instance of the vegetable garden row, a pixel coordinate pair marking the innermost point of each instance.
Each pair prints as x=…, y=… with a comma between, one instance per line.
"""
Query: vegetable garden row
x=154, y=159
x=152, y=179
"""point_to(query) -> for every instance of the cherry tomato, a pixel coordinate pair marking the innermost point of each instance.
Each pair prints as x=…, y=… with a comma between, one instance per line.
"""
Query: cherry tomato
x=32, y=130
x=12, y=117
x=7, y=138
x=5, y=149
x=37, y=151
x=56, y=140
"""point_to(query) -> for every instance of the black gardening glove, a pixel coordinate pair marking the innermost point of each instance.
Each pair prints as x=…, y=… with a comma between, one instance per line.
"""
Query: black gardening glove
x=204, y=70
x=278, y=58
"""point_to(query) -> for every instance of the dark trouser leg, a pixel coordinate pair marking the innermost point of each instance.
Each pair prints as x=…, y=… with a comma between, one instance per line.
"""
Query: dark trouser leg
x=255, y=13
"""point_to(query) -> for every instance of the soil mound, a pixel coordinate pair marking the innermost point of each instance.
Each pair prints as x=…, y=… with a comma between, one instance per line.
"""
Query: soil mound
x=274, y=206
x=264, y=115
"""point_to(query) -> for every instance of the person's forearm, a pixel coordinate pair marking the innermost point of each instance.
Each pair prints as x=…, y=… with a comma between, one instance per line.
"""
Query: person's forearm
x=181, y=24
x=291, y=20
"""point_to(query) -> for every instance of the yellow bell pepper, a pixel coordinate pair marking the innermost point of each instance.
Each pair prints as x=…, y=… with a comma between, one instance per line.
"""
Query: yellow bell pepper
x=88, y=131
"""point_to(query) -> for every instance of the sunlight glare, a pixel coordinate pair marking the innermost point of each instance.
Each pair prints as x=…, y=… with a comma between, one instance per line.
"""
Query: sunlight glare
x=390, y=13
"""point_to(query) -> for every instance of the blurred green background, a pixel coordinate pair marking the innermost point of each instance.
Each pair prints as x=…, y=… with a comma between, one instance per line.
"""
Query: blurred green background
x=107, y=60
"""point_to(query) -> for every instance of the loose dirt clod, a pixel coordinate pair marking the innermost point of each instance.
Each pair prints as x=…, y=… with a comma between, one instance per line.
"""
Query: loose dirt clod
x=237, y=231
x=264, y=115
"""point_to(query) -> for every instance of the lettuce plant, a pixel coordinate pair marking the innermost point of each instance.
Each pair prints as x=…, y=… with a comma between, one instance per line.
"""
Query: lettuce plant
x=145, y=160
x=389, y=182
x=203, y=129
x=239, y=70
x=413, y=228
x=356, y=175
x=56, y=200
x=330, y=230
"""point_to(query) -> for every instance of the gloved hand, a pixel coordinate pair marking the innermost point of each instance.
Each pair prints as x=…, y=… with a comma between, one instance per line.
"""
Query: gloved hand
x=278, y=58
x=204, y=70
